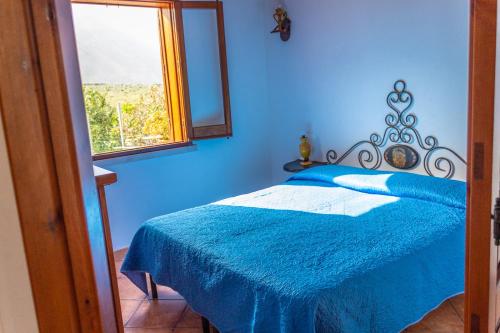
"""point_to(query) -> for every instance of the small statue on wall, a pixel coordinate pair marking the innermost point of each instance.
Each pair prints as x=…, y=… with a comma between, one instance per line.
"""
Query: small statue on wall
x=283, y=23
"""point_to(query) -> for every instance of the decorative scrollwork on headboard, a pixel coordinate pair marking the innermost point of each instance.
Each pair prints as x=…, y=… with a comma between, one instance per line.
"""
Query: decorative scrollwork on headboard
x=402, y=133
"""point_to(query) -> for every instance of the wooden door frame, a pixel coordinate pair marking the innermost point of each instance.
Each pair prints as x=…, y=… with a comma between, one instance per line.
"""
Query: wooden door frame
x=479, y=310
x=41, y=106
x=51, y=173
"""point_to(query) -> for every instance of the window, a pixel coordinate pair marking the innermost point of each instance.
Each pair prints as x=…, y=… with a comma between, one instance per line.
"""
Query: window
x=136, y=76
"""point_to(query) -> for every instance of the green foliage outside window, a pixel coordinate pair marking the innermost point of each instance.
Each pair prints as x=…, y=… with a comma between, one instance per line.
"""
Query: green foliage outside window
x=103, y=121
x=139, y=109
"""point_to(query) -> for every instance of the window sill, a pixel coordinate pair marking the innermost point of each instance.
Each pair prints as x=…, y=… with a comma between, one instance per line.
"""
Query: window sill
x=143, y=153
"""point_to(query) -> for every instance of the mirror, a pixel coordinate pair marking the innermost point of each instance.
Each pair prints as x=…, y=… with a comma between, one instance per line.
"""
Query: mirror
x=206, y=67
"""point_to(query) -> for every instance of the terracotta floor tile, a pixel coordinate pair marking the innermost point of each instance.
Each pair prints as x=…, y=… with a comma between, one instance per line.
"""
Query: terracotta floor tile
x=128, y=309
x=442, y=320
x=120, y=254
x=458, y=304
x=128, y=290
x=189, y=319
x=157, y=314
x=188, y=330
x=168, y=293
x=119, y=275
x=118, y=266
x=148, y=330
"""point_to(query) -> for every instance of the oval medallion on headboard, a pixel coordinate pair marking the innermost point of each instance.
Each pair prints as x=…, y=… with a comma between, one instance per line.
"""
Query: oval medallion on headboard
x=401, y=157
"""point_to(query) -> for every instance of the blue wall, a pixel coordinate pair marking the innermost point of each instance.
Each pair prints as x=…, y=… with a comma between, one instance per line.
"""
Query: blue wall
x=331, y=79
x=217, y=168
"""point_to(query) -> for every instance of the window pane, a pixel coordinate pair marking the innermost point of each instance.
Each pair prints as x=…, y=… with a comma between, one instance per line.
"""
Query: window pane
x=121, y=68
x=203, y=65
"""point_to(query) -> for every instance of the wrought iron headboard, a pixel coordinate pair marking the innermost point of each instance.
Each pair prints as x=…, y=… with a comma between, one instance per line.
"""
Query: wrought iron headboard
x=401, y=134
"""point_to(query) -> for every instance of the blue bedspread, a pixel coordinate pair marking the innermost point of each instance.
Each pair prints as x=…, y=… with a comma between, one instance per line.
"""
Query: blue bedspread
x=334, y=249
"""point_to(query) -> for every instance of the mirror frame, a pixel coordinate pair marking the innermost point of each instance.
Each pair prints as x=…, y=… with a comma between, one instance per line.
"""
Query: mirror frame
x=209, y=131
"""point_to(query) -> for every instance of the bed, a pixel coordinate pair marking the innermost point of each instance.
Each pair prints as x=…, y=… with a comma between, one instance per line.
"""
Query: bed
x=333, y=249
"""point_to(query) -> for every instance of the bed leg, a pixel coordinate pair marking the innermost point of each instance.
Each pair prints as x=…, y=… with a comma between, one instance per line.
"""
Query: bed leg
x=205, y=324
x=154, y=289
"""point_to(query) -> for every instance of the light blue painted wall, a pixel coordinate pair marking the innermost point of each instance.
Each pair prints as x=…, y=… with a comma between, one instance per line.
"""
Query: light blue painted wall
x=331, y=79
x=217, y=168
